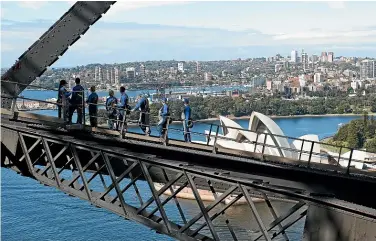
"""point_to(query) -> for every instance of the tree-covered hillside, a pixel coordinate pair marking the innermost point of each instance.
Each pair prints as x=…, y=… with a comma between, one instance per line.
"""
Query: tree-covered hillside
x=357, y=134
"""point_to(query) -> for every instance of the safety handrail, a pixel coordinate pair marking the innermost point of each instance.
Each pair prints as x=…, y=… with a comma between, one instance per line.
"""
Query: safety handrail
x=29, y=85
x=311, y=153
x=213, y=124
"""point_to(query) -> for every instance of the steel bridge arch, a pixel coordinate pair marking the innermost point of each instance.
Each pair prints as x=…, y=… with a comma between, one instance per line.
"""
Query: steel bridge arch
x=51, y=46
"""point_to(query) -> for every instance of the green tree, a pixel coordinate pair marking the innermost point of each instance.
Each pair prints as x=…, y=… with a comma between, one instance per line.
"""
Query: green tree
x=352, y=136
x=370, y=145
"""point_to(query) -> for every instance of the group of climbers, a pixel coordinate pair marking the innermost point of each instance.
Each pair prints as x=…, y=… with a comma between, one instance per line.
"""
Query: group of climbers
x=69, y=102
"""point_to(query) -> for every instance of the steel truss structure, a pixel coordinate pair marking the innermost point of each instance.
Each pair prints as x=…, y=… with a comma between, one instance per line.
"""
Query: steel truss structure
x=48, y=161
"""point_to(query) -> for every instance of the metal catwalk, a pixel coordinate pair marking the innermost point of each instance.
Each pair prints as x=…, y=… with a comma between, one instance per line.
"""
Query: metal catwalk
x=78, y=168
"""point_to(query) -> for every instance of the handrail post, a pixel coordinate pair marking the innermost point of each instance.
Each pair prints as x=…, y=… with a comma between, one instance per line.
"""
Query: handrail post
x=122, y=133
x=301, y=150
x=348, y=166
x=263, y=145
x=165, y=137
x=14, y=101
x=215, y=140
x=310, y=153
x=257, y=136
x=208, y=141
x=339, y=155
x=83, y=110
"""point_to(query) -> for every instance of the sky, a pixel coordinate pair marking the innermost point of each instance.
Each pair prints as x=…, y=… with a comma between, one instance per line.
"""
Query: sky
x=180, y=30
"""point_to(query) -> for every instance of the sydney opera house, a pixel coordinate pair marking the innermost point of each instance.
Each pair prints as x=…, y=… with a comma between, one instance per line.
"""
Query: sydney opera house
x=265, y=136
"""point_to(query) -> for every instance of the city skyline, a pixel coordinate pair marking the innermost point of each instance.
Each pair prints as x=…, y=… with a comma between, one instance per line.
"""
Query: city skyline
x=220, y=30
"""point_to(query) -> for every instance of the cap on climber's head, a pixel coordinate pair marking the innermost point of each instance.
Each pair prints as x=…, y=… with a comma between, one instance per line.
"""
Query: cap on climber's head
x=186, y=101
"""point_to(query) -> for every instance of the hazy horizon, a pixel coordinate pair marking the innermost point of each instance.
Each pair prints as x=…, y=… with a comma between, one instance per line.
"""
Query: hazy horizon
x=197, y=31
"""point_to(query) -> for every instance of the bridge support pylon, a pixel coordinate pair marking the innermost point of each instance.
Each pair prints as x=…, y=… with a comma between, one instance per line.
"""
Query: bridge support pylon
x=329, y=224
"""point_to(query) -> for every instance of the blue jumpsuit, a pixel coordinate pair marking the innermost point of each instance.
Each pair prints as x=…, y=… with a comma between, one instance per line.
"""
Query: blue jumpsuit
x=163, y=119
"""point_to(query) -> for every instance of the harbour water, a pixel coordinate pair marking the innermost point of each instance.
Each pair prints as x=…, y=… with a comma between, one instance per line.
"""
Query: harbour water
x=30, y=211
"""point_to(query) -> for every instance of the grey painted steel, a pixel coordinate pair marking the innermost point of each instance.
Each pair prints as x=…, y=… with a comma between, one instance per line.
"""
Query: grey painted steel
x=162, y=190
x=254, y=211
x=275, y=216
x=51, y=161
x=80, y=170
x=174, y=197
x=149, y=180
x=51, y=45
x=226, y=179
x=201, y=205
x=113, y=178
x=85, y=156
x=324, y=224
x=26, y=152
x=226, y=220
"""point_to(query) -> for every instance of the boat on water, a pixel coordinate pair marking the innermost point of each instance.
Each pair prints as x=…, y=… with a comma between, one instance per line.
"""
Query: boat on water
x=205, y=195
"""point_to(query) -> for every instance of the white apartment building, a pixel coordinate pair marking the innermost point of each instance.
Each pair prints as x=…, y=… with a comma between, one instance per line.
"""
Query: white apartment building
x=294, y=56
x=368, y=69
x=181, y=67
x=317, y=78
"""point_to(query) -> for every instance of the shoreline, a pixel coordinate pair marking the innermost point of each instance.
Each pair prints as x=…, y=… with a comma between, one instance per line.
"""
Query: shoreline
x=272, y=117
x=285, y=117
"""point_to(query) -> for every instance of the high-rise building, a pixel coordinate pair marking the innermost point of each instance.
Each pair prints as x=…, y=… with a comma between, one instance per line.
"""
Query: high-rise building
x=98, y=75
x=181, y=67
x=330, y=57
x=368, y=69
x=112, y=76
x=324, y=57
x=294, y=56
x=108, y=75
x=197, y=67
x=116, y=76
x=304, y=60
x=130, y=72
x=95, y=74
x=315, y=58
x=142, y=70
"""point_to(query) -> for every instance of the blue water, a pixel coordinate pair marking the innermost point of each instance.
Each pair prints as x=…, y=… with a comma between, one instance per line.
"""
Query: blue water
x=31, y=211
x=292, y=127
x=42, y=95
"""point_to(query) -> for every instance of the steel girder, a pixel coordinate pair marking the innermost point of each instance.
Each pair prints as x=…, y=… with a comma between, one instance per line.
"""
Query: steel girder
x=129, y=196
x=93, y=174
x=51, y=45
